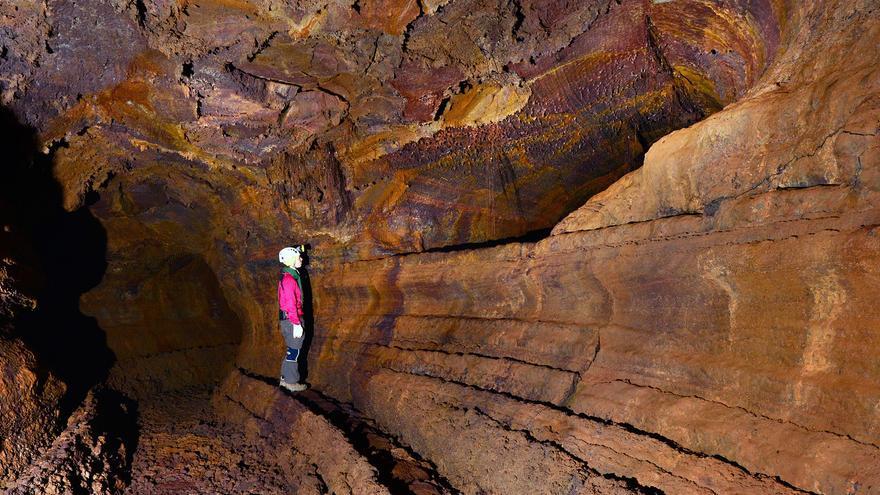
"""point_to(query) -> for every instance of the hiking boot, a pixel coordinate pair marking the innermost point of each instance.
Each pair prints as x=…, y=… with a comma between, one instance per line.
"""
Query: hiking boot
x=294, y=387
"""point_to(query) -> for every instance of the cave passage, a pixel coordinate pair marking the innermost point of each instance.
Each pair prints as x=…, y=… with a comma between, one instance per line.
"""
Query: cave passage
x=169, y=326
x=593, y=247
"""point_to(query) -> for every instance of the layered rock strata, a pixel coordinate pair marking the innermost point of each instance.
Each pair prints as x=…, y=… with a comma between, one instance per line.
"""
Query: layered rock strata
x=202, y=135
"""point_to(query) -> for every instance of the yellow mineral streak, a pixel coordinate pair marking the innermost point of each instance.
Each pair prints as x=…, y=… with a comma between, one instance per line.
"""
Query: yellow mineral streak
x=485, y=103
x=431, y=6
x=385, y=141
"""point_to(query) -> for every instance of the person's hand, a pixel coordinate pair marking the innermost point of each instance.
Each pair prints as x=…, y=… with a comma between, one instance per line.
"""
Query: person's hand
x=297, y=331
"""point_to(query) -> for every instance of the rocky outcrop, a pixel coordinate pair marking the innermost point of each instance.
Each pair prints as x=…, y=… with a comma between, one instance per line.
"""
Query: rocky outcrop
x=91, y=455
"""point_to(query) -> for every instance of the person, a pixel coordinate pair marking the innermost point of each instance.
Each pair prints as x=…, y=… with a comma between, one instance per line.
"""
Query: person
x=290, y=304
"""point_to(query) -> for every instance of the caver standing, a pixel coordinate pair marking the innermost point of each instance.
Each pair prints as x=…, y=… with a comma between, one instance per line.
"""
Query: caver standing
x=290, y=304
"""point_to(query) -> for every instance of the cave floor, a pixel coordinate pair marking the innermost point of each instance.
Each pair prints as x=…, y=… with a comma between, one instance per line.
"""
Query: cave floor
x=183, y=449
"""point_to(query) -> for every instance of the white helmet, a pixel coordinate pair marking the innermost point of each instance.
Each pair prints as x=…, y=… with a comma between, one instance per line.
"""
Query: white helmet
x=286, y=255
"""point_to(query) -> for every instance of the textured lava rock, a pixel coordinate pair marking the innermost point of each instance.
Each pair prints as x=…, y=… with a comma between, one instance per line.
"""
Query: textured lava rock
x=30, y=394
x=41, y=329
x=520, y=111
x=221, y=130
x=296, y=437
x=399, y=468
x=30, y=400
x=183, y=448
x=91, y=455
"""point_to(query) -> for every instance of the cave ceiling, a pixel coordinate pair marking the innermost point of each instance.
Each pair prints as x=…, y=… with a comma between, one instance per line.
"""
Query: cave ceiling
x=364, y=128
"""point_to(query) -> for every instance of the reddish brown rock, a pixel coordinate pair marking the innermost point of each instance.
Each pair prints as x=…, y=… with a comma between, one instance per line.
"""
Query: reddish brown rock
x=177, y=346
x=567, y=96
x=30, y=403
x=391, y=17
x=658, y=365
x=91, y=455
x=294, y=435
x=184, y=447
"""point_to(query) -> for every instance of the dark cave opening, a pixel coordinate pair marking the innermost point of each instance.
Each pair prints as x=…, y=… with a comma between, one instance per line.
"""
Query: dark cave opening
x=59, y=256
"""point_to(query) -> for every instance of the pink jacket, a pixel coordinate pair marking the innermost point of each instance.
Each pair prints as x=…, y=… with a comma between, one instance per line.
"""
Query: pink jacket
x=290, y=298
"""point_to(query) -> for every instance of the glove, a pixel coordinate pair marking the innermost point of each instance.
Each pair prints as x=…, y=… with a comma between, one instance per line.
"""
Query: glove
x=282, y=315
x=297, y=331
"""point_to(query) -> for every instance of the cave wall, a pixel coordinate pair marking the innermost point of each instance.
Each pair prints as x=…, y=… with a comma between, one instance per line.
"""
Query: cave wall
x=749, y=345
x=36, y=388
x=706, y=324
x=635, y=74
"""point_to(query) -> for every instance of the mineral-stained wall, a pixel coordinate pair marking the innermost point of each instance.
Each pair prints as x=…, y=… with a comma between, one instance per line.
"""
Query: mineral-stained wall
x=172, y=327
x=374, y=134
x=703, y=324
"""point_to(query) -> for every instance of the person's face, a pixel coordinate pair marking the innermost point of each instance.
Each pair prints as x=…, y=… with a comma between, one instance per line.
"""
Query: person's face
x=294, y=261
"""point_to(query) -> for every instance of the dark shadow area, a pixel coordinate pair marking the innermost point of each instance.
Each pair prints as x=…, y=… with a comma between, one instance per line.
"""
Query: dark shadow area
x=527, y=238
x=62, y=254
x=309, y=317
x=117, y=418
